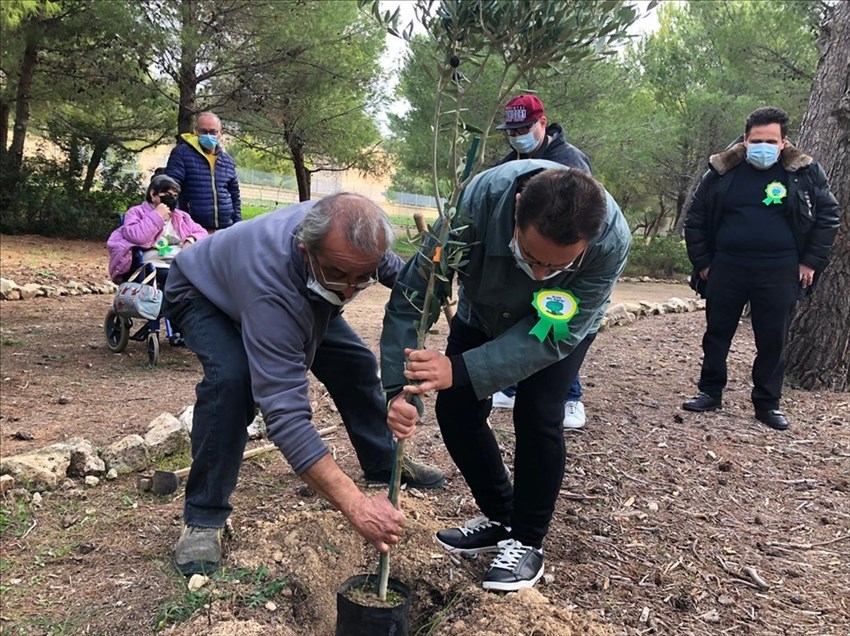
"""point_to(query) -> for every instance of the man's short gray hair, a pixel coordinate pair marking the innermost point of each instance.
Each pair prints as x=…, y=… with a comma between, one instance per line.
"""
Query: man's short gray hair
x=366, y=226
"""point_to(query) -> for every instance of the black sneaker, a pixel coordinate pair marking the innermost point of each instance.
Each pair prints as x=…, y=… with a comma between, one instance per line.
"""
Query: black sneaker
x=414, y=475
x=517, y=566
x=702, y=402
x=474, y=537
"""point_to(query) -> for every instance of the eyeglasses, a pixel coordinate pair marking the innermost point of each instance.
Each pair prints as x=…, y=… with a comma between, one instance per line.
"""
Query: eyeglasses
x=550, y=269
x=208, y=131
x=516, y=132
x=338, y=285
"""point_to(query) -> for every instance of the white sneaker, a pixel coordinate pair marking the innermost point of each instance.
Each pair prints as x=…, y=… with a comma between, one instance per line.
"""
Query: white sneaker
x=502, y=401
x=574, y=414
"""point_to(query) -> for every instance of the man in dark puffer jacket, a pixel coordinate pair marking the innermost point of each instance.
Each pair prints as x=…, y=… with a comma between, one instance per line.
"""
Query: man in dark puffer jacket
x=759, y=229
x=207, y=176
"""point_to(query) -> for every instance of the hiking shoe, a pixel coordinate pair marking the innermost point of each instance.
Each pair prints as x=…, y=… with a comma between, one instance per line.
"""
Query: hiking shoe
x=516, y=566
x=474, y=537
x=414, y=475
x=502, y=401
x=574, y=414
x=773, y=418
x=198, y=550
x=702, y=402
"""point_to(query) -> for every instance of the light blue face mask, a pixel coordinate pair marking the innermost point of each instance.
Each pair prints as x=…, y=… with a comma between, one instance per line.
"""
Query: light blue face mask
x=762, y=156
x=523, y=144
x=208, y=141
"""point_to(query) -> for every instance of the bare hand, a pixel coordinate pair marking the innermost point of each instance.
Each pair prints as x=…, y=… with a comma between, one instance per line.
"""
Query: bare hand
x=807, y=275
x=431, y=367
x=187, y=243
x=378, y=521
x=163, y=212
x=704, y=273
x=402, y=417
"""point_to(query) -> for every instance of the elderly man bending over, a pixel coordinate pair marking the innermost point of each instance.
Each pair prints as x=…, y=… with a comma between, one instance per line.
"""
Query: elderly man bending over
x=254, y=303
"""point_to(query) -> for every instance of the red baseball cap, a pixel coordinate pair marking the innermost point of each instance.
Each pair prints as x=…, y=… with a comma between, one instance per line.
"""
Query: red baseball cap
x=521, y=111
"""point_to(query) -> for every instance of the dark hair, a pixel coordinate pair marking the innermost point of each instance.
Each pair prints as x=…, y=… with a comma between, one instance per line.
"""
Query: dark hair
x=767, y=115
x=564, y=205
x=160, y=183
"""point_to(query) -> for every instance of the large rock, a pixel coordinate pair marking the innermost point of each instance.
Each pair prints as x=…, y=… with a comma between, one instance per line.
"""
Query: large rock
x=127, y=455
x=31, y=290
x=9, y=289
x=257, y=428
x=85, y=460
x=42, y=469
x=185, y=416
x=635, y=308
x=619, y=315
x=166, y=436
x=675, y=306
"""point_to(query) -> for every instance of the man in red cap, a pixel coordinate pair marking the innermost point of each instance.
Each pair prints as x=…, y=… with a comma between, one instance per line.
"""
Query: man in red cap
x=532, y=137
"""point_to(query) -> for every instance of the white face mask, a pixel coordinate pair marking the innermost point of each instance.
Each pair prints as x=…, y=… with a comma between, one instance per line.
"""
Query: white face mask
x=326, y=294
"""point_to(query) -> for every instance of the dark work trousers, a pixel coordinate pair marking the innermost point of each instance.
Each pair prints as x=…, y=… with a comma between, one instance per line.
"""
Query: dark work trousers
x=529, y=504
x=225, y=404
x=771, y=293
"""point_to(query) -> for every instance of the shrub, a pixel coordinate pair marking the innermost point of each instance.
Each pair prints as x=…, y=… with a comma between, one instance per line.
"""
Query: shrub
x=661, y=257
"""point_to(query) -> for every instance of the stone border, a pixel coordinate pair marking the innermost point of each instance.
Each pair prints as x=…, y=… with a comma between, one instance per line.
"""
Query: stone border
x=10, y=290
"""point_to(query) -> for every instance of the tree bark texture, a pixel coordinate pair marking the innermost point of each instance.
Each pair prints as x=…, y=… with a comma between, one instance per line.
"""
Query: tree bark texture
x=26, y=72
x=302, y=174
x=188, y=80
x=818, y=354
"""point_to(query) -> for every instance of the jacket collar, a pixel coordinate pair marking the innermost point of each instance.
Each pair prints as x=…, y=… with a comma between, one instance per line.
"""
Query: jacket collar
x=793, y=159
x=192, y=140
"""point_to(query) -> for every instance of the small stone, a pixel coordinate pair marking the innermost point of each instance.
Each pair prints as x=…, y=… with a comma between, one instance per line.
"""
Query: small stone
x=711, y=455
x=7, y=482
x=15, y=581
x=197, y=582
x=68, y=521
x=36, y=499
x=724, y=599
x=85, y=548
x=306, y=491
x=92, y=481
x=711, y=617
x=277, y=557
x=112, y=475
x=271, y=606
x=23, y=435
x=63, y=399
x=549, y=579
x=90, y=512
x=653, y=506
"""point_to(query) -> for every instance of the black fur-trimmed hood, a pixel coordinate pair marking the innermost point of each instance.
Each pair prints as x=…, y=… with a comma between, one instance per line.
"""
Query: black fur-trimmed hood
x=792, y=158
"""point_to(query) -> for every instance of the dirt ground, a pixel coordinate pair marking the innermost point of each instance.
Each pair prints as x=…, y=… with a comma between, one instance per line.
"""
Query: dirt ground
x=662, y=512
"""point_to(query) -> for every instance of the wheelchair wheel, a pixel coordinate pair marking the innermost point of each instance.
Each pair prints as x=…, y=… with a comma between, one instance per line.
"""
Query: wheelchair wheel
x=153, y=348
x=117, y=332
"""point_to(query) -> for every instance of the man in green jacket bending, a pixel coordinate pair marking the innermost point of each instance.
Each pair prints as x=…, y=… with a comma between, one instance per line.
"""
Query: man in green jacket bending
x=545, y=246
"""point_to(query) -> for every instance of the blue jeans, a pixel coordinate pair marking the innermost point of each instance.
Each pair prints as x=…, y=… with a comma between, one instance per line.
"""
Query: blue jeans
x=573, y=395
x=225, y=407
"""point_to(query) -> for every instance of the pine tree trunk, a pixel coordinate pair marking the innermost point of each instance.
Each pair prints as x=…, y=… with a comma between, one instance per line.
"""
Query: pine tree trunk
x=188, y=79
x=302, y=174
x=818, y=355
x=26, y=72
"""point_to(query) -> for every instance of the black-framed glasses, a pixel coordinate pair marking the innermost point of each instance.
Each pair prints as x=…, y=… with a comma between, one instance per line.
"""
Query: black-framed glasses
x=208, y=131
x=550, y=269
x=336, y=285
x=516, y=132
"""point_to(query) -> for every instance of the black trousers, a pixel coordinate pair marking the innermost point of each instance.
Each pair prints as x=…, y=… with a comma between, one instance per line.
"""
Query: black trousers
x=529, y=504
x=771, y=293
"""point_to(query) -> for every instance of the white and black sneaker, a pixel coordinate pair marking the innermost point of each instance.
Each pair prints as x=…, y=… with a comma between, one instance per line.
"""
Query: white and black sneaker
x=517, y=566
x=474, y=537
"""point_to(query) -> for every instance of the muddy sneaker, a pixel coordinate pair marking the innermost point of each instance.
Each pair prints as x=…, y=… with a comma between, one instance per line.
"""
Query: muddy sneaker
x=414, y=475
x=574, y=414
x=502, y=401
x=517, y=566
x=198, y=550
x=474, y=537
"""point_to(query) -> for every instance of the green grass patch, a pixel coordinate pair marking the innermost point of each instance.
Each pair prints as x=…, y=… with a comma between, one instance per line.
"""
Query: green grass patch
x=175, y=461
x=14, y=518
x=250, y=211
x=11, y=342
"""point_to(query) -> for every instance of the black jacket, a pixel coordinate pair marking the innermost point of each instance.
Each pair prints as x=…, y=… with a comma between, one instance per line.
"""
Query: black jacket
x=557, y=150
x=812, y=210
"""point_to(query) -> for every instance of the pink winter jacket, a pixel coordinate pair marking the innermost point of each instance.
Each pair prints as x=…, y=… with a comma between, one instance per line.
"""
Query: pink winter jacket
x=142, y=227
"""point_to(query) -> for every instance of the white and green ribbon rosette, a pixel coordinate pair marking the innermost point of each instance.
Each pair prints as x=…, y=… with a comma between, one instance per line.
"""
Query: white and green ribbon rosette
x=555, y=308
x=775, y=192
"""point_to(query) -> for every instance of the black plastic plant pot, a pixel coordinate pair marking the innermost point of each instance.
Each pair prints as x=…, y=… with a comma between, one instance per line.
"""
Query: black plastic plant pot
x=354, y=619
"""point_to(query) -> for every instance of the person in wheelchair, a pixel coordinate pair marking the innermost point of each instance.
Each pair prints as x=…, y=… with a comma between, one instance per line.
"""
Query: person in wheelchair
x=153, y=232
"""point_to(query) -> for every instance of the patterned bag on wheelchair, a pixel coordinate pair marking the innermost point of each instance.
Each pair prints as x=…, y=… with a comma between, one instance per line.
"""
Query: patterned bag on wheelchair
x=138, y=300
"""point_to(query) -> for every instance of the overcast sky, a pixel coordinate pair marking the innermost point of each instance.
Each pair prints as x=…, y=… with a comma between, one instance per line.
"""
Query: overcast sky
x=396, y=47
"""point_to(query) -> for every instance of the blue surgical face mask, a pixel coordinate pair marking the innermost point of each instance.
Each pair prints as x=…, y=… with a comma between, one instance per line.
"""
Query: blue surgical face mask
x=523, y=144
x=762, y=156
x=208, y=141
x=524, y=266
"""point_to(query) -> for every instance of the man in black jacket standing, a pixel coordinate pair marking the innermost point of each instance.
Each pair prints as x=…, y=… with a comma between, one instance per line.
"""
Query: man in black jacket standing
x=758, y=229
x=532, y=137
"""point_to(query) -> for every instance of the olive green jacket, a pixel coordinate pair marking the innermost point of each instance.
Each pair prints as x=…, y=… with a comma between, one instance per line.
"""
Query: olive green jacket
x=495, y=295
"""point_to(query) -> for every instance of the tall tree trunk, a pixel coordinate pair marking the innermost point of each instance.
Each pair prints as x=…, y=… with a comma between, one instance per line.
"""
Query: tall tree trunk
x=22, y=105
x=188, y=80
x=94, y=161
x=302, y=174
x=5, y=113
x=818, y=355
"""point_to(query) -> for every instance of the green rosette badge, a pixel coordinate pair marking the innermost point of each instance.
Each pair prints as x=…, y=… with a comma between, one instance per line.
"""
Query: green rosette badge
x=556, y=308
x=775, y=192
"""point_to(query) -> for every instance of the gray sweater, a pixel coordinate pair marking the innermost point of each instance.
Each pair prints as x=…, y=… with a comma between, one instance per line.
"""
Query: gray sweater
x=255, y=274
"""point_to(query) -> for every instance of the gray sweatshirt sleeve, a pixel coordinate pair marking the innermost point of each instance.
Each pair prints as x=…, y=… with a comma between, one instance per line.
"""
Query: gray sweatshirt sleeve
x=275, y=336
